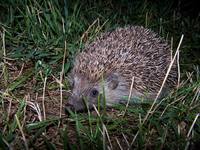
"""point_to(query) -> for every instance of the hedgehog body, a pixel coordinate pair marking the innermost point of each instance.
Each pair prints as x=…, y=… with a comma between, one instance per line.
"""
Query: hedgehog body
x=117, y=58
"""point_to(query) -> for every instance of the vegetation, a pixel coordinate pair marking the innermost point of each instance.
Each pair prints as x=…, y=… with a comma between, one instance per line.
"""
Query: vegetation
x=39, y=40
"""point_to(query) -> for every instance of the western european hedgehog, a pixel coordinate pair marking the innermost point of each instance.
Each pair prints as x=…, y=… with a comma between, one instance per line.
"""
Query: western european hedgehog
x=113, y=59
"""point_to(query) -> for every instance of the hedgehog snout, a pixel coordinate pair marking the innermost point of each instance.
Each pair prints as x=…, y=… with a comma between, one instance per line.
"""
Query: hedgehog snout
x=69, y=106
x=74, y=103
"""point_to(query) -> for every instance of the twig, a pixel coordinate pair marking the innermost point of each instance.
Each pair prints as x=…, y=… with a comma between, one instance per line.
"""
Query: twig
x=169, y=69
x=118, y=143
x=125, y=139
x=158, y=94
x=104, y=129
x=108, y=137
x=21, y=130
x=43, y=99
x=20, y=72
x=61, y=80
x=130, y=95
x=178, y=66
x=189, y=132
x=86, y=32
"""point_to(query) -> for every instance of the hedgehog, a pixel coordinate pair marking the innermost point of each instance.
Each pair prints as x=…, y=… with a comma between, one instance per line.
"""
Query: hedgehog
x=108, y=65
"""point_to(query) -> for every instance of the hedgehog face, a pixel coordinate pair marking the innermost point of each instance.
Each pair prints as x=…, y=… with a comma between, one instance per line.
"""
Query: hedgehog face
x=86, y=93
x=83, y=94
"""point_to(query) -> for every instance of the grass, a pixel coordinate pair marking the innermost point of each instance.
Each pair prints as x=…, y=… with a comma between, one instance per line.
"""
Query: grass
x=39, y=40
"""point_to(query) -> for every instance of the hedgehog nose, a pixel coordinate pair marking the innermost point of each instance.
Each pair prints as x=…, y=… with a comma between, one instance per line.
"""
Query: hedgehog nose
x=69, y=108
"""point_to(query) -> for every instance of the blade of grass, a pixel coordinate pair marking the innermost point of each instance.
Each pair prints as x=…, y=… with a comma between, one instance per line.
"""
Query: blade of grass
x=154, y=102
x=21, y=130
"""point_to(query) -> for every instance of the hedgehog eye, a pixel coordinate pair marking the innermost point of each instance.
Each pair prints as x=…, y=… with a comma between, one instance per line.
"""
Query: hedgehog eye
x=94, y=93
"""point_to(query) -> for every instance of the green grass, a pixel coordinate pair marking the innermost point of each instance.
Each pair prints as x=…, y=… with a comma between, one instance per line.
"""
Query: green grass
x=33, y=37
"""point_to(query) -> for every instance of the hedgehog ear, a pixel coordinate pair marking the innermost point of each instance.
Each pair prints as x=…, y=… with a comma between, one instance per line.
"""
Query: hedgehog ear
x=112, y=81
